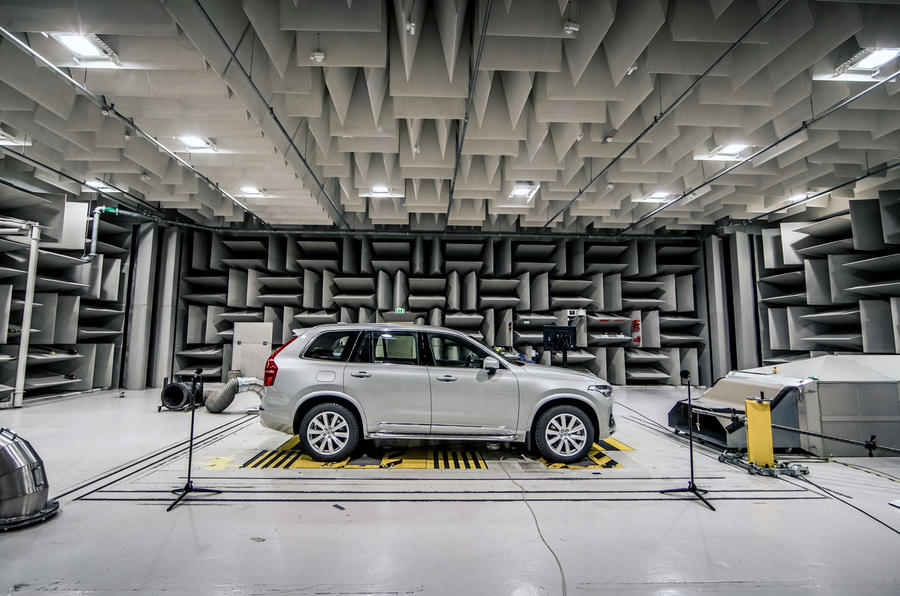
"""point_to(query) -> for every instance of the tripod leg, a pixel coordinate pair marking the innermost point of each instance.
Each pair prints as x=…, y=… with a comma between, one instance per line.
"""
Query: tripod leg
x=175, y=503
x=702, y=498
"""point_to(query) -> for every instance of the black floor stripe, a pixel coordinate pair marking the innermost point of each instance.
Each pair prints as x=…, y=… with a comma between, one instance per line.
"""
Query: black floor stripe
x=264, y=462
x=252, y=459
x=476, y=457
x=465, y=458
x=295, y=456
x=434, y=454
x=281, y=460
x=446, y=460
x=455, y=460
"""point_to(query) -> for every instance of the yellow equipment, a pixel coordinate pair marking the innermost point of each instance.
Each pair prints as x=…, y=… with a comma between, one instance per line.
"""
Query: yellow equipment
x=760, y=450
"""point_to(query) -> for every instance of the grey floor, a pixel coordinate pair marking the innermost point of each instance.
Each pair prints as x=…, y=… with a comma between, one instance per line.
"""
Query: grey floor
x=510, y=529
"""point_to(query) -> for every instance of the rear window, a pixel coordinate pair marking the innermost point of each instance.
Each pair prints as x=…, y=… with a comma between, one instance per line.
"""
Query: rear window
x=332, y=345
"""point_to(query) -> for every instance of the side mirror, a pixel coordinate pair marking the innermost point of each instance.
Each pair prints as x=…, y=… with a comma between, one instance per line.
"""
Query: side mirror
x=490, y=364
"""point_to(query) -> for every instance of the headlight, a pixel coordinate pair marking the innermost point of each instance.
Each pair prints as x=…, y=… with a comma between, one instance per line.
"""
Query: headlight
x=604, y=390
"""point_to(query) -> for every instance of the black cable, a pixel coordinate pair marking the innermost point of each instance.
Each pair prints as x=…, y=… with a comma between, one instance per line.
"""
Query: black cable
x=845, y=502
x=537, y=525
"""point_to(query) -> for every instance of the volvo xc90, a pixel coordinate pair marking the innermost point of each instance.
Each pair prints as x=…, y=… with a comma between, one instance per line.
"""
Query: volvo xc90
x=334, y=385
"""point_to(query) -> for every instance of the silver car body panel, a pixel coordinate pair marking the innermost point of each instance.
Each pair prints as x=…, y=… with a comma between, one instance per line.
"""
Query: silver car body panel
x=405, y=401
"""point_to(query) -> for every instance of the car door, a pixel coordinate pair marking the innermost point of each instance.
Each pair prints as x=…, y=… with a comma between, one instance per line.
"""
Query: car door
x=388, y=378
x=466, y=399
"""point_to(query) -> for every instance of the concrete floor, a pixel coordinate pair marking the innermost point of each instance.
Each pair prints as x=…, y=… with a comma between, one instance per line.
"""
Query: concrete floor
x=513, y=528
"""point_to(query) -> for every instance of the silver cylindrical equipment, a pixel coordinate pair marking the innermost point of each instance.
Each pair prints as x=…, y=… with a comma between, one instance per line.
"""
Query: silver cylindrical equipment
x=177, y=396
x=24, y=490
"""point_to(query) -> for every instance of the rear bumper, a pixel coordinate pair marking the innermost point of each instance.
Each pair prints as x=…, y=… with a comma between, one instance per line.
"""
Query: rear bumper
x=275, y=422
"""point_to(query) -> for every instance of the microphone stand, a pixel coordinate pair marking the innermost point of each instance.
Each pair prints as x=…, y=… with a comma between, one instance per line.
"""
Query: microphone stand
x=692, y=486
x=196, y=384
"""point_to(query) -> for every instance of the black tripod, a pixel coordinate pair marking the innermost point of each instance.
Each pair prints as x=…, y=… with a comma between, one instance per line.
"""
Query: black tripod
x=196, y=386
x=691, y=487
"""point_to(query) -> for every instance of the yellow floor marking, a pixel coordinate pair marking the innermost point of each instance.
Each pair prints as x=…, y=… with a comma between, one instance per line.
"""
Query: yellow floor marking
x=219, y=463
x=290, y=443
x=619, y=445
x=416, y=458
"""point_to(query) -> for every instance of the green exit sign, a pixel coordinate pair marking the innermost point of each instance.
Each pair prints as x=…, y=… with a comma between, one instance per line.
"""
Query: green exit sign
x=399, y=311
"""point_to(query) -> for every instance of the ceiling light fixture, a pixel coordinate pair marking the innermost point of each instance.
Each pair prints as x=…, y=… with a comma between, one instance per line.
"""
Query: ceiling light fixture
x=195, y=143
x=609, y=136
x=631, y=70
x=660, y=196
x=381, y=191
x=98, y=185
x=524, y=190
x=798, y=197
x=252, y=191
x=864, y=65
x=317, y=56
x=571, y=28
x=411, y=27
x=730, y=152
x=87, y=48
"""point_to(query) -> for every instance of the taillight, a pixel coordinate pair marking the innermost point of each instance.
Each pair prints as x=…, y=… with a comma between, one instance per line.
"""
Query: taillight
x=271, y=370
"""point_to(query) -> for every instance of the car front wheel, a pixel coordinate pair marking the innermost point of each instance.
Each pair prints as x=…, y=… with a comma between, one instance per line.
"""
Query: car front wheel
x=329, y=432
x=564, y=434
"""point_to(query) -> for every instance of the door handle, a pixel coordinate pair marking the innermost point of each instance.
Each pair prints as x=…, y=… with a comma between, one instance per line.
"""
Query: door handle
x=446, y=378
x=361, y=374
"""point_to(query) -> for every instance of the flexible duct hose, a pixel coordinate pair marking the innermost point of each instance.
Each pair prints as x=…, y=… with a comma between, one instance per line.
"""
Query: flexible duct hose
x=217, y=401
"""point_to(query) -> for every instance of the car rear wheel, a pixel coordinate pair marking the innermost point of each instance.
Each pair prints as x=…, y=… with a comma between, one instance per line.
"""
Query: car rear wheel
x=329, y=432
x=564, y=434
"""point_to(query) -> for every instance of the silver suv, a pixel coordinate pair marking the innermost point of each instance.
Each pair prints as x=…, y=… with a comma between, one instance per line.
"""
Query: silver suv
x=334, y=385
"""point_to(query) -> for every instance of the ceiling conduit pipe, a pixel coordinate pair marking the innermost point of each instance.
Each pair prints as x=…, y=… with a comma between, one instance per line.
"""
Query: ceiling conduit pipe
x=668, y=111
x=270, y=110
x=803, y=126
x=472, y=80
x=110, y=110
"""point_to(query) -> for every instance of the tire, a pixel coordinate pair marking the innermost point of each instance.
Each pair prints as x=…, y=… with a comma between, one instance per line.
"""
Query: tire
x=555, y=443
x=329, y=432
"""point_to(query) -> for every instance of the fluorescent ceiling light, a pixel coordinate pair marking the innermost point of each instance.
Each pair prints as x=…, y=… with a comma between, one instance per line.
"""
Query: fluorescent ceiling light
x=88, y=50
x=194, y=142
x=877, y=58
x=863, y=66
x=99, y=185
x=381, y=191
x=731, y=152
x=732, y=149
x=798, y=197
x=252, y=191
x=524, y=190
x=656, y=197
x=83, y=47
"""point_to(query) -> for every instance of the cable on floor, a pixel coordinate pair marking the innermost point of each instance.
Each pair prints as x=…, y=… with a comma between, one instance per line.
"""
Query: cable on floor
x=868, y=470
x=845, y=502
x=537, y=525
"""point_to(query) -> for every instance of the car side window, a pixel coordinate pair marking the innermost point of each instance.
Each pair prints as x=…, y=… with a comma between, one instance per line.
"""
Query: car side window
x=390, y=347
x=332, y=345
x=447, y=350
